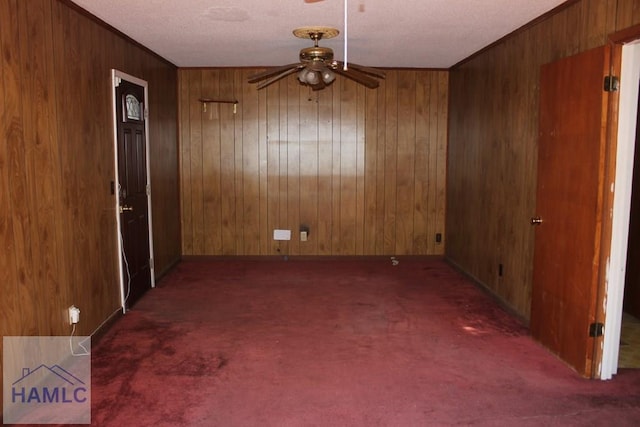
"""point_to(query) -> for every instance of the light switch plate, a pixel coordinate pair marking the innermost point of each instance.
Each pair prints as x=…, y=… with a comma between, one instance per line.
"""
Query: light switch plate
x=281, y=234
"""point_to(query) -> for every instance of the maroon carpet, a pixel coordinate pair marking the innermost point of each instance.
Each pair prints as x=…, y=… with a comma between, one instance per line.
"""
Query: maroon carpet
x=336, y=343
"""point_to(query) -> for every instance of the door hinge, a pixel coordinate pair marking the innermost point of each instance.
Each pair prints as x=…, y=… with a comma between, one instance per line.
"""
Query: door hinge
x=117, y=82
x=596, y=329
x=611, y=83
x=151, y=264
x=148, y=189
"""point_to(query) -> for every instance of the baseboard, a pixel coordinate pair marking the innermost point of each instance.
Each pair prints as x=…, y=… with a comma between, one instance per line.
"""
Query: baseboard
x=308, y=257
x=497, y=298
x=104, y=327
x=160, y=274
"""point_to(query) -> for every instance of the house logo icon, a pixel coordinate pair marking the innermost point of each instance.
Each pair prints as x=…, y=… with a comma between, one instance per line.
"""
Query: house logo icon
x=48, y=384
x=42, y=383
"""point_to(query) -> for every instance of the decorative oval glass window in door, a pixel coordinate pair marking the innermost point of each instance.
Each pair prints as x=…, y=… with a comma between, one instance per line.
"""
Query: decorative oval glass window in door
x=133, y=108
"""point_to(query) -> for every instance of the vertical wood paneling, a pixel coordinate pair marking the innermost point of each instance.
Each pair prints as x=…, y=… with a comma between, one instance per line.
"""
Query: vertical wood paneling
x=421, y=165
x=238, y=81
x=360, y=168
x=492, y=152
x=39, y=112
x=8, y=273
x=441, y=163
x=250, y=166
x=380, y=177
x=282, y=175
x=19, y=289
x=205, y=135
x=363, y=169
x=294, y=142
x=58, y=225
x=595, y=22
x=370, y=173
x=322, y=232
x=310, y=143
x=336, y=159
x=432, y=191
x=164, y=158
x=196, y=165
x=406, y=154
x=348, y=167
x=273, y=169
x=184, y=84
x=228, y=196
x=390, y=162
x=628, y=13
x=263, y=144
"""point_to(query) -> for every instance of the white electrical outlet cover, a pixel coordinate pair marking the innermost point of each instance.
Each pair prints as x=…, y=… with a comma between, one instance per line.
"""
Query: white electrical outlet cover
x=281, y=234
x=74, y=315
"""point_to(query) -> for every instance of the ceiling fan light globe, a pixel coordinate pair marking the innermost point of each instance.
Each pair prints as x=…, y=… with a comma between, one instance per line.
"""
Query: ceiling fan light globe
x=302, y=75
x=312, y=77
x=328, y=76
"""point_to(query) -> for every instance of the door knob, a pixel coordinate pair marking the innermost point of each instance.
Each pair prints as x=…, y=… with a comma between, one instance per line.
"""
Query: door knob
x=536, y=220
x=125, y=208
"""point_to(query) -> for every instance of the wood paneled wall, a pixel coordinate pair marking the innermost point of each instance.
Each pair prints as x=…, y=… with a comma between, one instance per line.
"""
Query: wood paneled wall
x=363, y=169
x=57, y=222
x=492, y=166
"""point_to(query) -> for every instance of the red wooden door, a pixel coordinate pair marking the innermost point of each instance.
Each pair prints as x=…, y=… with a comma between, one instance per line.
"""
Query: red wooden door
x=573, y=107
x=132, y=175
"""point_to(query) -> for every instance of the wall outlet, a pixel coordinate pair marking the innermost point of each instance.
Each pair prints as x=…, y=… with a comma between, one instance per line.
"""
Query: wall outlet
x=304, y=232
x=74, y=315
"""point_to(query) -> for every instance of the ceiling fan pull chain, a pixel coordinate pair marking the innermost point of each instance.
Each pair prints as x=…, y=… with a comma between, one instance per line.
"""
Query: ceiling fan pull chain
x=345, y=35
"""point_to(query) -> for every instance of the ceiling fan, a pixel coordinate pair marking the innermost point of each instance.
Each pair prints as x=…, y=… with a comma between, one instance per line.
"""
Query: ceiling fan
x=317, y=68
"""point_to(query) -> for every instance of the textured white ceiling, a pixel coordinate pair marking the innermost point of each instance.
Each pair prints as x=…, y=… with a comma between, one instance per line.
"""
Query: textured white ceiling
x=381, y=33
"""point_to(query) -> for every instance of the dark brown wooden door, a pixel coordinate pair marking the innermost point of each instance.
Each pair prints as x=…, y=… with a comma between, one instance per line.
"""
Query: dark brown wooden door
x=132, y=174
x=573, y=108
x=632, y=280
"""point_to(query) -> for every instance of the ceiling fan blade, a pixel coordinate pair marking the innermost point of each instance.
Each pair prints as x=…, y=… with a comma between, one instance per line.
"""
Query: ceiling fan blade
x=367, y=70
x=254, y=78
x=277, y=77
x=358, y=77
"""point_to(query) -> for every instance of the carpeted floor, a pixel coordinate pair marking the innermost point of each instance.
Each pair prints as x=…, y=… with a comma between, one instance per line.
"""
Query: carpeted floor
x=337, y=343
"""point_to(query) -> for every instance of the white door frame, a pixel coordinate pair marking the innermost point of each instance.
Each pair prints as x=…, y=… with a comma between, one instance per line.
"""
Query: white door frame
x=116, y=77
x=627, y=117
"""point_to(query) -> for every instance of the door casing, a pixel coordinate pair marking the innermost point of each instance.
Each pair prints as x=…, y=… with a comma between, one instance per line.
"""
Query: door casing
x=116, y=77
x=626, y=128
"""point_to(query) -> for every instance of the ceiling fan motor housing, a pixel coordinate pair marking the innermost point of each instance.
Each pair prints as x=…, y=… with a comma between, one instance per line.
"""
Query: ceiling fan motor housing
x=316, y=53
